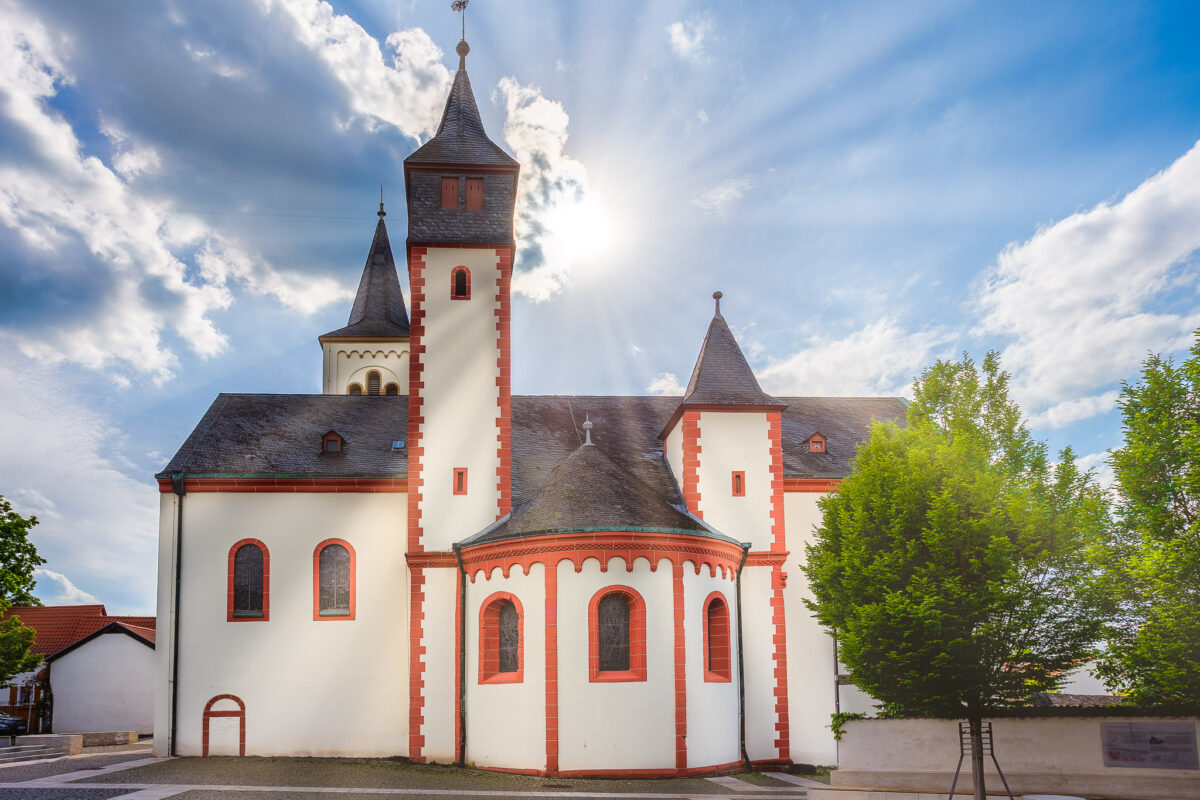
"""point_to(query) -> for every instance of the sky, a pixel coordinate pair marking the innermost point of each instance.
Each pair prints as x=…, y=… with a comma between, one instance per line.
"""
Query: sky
x=188, y=192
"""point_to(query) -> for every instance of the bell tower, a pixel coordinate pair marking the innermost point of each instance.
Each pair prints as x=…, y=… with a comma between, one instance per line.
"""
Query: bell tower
x=461, y=190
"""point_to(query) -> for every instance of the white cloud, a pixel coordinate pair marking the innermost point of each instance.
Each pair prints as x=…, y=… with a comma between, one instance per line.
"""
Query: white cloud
x=63, y=593
x=105, y=523
x=687, y=38
x=1068, y=411
x=666, y=383
x=560, y=220
x=1081, y=302
x=1100, y=465
x=61, y=201
x=409, y=93
x=130, y=158
x=723, y=196
x=881, y=359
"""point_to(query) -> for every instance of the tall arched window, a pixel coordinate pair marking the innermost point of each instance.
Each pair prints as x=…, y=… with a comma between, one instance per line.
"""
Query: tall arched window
x=617, y=635
x=333, y=580
x=717, y=659
x=460, y=284
x=372, y=382
x=501, y=659
x=248, y=595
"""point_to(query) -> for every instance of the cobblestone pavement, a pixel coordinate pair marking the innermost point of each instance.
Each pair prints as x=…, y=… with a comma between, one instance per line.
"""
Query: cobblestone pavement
x=133, y=776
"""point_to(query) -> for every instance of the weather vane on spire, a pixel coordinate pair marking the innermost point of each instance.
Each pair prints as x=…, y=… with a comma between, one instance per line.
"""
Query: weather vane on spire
x=461, y=5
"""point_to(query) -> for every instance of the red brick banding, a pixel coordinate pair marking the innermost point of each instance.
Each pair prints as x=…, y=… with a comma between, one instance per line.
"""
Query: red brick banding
x=681, y=754
x=416, y=665
x=504, y=259
x=551, y=668
x=691, y=462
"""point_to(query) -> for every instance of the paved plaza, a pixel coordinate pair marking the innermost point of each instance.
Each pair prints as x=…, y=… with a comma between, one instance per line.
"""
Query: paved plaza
x=134, y=775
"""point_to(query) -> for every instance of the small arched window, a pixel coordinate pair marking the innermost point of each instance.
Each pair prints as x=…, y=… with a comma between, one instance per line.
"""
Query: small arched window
x=460, y=284
x=500, y=640
x=355, y=389
x=372, y=383
x=617, y=635
x=333, y=580
x=391, y=390
x=716, y=639
x=248, y=596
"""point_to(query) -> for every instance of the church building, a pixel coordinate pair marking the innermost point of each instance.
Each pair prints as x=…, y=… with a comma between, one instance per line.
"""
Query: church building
x=417, y=562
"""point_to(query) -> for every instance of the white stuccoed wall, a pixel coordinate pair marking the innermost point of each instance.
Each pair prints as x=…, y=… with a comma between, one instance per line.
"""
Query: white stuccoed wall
x=347, y=362
x=328, y=687
x=673, y=450
x=104, y=685
x=732, y=441
x=460, y=393
x=712, y=720
x=758, y=630
x=602, y=725
x=506, y=722
x=812, y=689
x=441, y=595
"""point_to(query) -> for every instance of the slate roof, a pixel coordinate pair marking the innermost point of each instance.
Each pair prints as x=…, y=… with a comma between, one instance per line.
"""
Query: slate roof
x=59, y=627
x=280, y=435
x=721, y=375
x=460, y=139
x=378, y=310
x=589, y=491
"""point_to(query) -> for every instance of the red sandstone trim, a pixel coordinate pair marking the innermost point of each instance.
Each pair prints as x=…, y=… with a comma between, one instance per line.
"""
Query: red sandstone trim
x=365, y=485
x=266, y=582
x=317, y=581
x=551, y=669
x=459, y=618
x=637, y=638
x=458, y=487
x=779, y=656
x=775, y=434
x=504, y=261
x=489, y=640
x=209, y=714
x=811, y=484
x=416, y=665
x=691, y=462
x=738, y=483
x=548, y=550
x=682, y=409
x=681, y=753
x=715, y=633
x=765, y=558
x=431, y=559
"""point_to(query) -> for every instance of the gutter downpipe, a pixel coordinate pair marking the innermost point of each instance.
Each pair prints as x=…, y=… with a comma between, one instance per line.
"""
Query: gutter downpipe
x=462, y=656
x=741, y=662
x=179, y=488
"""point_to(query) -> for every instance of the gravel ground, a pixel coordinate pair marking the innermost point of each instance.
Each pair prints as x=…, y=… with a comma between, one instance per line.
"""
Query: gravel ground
x=44, y=769
x=64, y=794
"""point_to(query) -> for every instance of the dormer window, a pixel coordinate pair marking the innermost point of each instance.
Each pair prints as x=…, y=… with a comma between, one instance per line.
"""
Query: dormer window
x=331, y=443
x=450, y=193
x=474, y=194
x=460, y=284
x=816, y=443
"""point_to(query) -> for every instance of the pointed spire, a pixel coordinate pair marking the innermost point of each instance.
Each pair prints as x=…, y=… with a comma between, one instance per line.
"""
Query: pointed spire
x=587, y=428
x=722, y=376
x=460, y=138
x=378, y=310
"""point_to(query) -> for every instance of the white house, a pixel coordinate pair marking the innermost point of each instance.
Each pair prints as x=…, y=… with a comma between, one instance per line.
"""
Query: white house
x=105, y=681
x=417, y=562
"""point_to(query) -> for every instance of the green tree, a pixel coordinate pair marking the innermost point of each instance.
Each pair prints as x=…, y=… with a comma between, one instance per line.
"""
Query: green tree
x=18, y=558
x=1153, y=653
x=952, y=563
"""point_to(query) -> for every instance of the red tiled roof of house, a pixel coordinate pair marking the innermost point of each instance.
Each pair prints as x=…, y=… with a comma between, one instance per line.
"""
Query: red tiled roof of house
x=58, y=627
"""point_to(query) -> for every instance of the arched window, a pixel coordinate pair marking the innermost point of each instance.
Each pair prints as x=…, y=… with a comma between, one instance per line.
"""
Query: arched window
x=333, y=580
x=355, y=389
x=617, y=635
x=248, y=595
x=391, y=390
x=460, y=283
x=716, y=639
x=372, y=382
x=501, y=621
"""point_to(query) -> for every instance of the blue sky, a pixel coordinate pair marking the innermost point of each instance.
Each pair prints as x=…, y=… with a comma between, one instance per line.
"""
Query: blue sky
x=187, y=194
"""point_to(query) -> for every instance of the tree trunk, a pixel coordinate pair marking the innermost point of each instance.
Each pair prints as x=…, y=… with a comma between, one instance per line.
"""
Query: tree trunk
x=976, y=722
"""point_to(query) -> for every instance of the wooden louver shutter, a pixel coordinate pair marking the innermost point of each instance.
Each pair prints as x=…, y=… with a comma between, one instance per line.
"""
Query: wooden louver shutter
x=474, y=194
x=449, y=192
